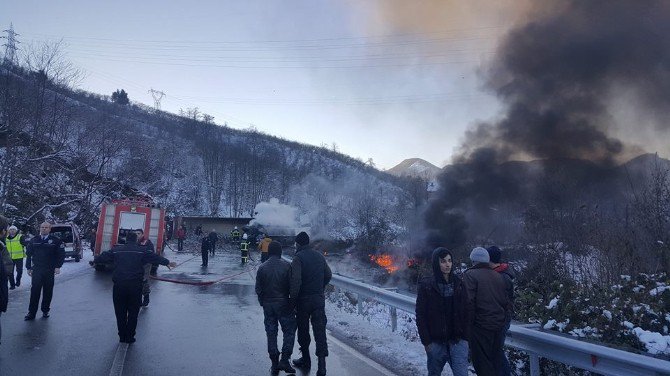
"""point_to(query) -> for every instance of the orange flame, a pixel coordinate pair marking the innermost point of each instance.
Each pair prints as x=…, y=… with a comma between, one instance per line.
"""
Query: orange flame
x=385, y=261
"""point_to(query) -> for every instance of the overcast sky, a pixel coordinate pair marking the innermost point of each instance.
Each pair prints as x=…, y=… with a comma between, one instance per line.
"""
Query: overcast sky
x=385, y=79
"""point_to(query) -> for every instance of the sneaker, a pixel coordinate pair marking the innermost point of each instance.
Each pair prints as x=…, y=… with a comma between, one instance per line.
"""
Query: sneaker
x=29, y=317
x=12, y=287
x=45, y=315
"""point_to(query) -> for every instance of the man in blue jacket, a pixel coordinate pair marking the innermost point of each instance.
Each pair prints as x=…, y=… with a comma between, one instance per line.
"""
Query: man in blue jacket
x=44, y=259
x=129, y=260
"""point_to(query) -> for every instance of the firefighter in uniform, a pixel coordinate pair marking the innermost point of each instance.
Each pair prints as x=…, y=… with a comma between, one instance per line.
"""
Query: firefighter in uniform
x=149, y=246
x=44, y=259
x=244, y=249
x=235, y=235
x=15, y=246
x=129, y=259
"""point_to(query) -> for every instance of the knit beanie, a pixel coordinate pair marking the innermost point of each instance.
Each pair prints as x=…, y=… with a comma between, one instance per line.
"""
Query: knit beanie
x=479, y=254
x=274, y=249
x=302, y=238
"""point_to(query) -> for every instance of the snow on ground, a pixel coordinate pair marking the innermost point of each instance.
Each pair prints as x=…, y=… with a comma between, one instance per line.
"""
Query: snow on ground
x=656, y=342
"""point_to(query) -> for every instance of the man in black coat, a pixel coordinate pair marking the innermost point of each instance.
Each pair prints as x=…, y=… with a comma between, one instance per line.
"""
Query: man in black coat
x=4, y=268
x=129, y=259
x=487, y=306
x=205, y=244
x=309, y=276
x=441, y=317
x=44, y=259
x=213, y=238
x=273, y=289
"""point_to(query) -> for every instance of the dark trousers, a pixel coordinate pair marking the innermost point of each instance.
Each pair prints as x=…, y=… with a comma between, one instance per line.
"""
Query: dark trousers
x=127, y=298
x=205, y=257
x=43, y=283
x=212, y=247
x=245, y=256
x=180, y=244
x=18, y=267
x=486, y=351
x=312, y=308
x=279, y=313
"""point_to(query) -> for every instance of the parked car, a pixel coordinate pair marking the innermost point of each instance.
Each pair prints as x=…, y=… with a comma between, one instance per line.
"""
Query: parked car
x=68, y=233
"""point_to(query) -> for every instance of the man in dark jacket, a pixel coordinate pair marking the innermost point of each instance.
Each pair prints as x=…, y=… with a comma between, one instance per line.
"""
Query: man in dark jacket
x=487, y=306
x=213, y=238
x=129, y=259
x=44, y=259
x=273, y=289
x=205, y=244
x=441, y=317
x=5, y=268
x=506, y=272
x=309, y=276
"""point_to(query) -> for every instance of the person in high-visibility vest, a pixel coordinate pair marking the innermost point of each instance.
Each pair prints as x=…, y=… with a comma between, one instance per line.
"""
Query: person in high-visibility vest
x=244, y=249
x=16, y=244
x=235, y=234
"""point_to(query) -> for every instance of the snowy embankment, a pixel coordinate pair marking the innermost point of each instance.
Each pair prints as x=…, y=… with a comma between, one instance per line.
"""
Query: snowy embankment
x=370, y=333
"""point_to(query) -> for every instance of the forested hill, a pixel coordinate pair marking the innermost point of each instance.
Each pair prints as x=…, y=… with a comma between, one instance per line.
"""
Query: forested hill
x=65, y=151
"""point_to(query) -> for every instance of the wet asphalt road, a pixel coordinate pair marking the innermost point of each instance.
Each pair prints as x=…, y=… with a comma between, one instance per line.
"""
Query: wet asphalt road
x=186, y=330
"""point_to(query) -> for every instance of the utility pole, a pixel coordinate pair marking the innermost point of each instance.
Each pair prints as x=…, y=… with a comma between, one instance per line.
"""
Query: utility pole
x=158, y=96
x=10, y=46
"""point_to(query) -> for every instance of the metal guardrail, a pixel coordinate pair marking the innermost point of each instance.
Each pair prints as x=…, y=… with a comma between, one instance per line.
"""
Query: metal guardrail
x=537, y=344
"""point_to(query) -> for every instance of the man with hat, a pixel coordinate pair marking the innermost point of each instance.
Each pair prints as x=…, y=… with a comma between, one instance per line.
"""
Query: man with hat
x=309, y=276
x=129, y=260
x=273, y=289
x=487, y=307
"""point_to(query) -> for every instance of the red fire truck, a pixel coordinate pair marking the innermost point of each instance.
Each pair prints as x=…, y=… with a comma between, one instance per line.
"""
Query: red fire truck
x=124, y=215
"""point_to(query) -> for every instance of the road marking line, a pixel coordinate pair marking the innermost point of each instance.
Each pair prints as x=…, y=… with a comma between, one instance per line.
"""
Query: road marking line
x=119, y=360
x=360, y=356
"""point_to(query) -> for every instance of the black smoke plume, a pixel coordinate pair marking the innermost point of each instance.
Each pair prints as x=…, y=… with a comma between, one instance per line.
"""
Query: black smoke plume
x=557, y=76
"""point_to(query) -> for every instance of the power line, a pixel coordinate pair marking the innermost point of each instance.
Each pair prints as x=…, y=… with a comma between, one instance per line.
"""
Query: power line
x=383, y=36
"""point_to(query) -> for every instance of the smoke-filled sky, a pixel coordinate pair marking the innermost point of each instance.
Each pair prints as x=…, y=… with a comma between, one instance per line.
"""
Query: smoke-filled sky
x=382, y=79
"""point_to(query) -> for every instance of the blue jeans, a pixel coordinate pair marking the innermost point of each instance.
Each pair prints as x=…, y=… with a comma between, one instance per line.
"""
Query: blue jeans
x=456, y=354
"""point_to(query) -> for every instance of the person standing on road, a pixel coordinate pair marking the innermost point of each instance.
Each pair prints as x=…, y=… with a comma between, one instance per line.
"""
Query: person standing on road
x=244, y=249
x=44, y=259
x=309, y=276
x=263, y=247
x=15, y=244
x=5, y=270
x=92, y=236
x=495, y=255
x=204, y=250
x=235, y=235
x=273, y=289
x=487, y=306
x=181, y=235
x=149, y=246
x=441, y=318
x=213, y=237
x=129, y=259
